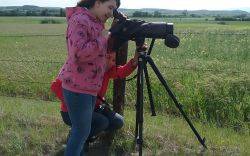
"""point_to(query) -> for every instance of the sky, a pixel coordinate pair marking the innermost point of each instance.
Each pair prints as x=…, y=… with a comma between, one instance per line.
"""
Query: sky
x=132, y=4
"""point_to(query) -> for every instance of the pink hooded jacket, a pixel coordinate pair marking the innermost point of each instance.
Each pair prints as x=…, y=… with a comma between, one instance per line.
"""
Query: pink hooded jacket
x=86, y=61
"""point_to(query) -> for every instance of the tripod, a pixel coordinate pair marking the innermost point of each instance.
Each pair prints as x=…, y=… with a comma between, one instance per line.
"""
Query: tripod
x=142, y=71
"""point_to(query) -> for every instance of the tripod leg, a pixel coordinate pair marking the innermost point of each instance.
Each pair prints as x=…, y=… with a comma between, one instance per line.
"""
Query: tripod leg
x=152, y=107
x=136, y=116
x=139, y=105
x=177, y=104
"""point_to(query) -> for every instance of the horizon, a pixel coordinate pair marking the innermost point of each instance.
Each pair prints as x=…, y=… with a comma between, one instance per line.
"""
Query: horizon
x=240, y=9
x=190, y=5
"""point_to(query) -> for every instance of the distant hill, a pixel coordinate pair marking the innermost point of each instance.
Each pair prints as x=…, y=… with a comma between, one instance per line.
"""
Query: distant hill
x=196, y=12
x=31, y=10
x=26, y=7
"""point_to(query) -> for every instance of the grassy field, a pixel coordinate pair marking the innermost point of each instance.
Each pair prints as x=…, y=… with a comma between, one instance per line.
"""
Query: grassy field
x=34, y=127
x=209, y=72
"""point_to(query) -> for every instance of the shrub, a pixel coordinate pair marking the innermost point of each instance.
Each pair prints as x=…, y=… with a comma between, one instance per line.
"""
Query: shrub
x=50, y=21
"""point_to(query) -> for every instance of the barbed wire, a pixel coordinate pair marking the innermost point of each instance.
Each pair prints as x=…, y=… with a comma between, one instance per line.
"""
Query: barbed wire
x=178, y=33
x=30, y=82
x=212, y=33
x=167, y=67
x=28, y=97
x=32, y=61
x=33, y=35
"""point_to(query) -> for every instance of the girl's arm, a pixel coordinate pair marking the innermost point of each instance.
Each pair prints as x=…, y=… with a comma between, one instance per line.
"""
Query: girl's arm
x=122, y=71
x=125, y=70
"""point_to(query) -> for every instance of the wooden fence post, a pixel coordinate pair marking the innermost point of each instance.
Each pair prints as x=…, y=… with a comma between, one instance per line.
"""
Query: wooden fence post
x=119, y=84
x=118, y=89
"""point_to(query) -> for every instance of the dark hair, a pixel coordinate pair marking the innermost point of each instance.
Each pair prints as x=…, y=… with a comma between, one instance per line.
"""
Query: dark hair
x=90, y=3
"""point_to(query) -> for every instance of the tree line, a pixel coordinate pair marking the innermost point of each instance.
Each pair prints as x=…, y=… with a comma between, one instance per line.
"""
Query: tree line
x=185, y=14
x=44, y=12
x=156, y=14
x=233, y=18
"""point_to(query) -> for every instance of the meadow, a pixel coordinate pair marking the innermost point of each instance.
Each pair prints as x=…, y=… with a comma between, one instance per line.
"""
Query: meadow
x=209, y=72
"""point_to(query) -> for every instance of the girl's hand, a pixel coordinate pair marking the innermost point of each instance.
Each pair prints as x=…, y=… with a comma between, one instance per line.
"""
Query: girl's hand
x=144, y=47
x=105, y=33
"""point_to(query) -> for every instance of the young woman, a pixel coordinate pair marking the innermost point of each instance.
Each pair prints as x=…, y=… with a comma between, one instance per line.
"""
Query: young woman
x=83, y=71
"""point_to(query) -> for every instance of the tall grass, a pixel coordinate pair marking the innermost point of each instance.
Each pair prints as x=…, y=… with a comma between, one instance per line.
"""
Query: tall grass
x=209, y=72
x=34, y=127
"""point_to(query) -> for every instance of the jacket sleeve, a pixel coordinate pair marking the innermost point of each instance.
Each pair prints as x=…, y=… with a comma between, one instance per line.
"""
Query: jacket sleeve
x=56, y=87
x=122, y=71
x=80, y=46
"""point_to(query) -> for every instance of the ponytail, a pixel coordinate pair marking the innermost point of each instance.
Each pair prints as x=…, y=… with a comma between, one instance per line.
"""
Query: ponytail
x=86, y=3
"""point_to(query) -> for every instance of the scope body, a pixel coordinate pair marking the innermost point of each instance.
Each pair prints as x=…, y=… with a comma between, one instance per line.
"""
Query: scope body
x=143, y=29
x=154, y=30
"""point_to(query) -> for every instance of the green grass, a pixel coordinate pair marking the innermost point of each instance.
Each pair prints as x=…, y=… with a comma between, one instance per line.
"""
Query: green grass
x=208, y=72
x=28, y=20
x=29, y=127
x=34, y=127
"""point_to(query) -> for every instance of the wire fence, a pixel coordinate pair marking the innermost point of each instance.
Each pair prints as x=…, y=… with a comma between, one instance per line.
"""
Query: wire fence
x=167, y=67
x=33, y=35
x=11, y=78
x=177, y=33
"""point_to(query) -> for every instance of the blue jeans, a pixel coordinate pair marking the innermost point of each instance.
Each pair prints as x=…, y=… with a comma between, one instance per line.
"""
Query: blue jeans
x=102, y=120
x=80, y=109
x=115, y=120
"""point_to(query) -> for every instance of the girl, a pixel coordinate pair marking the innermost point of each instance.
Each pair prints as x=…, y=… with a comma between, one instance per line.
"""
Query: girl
x=103, y=118
x=83, y=71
